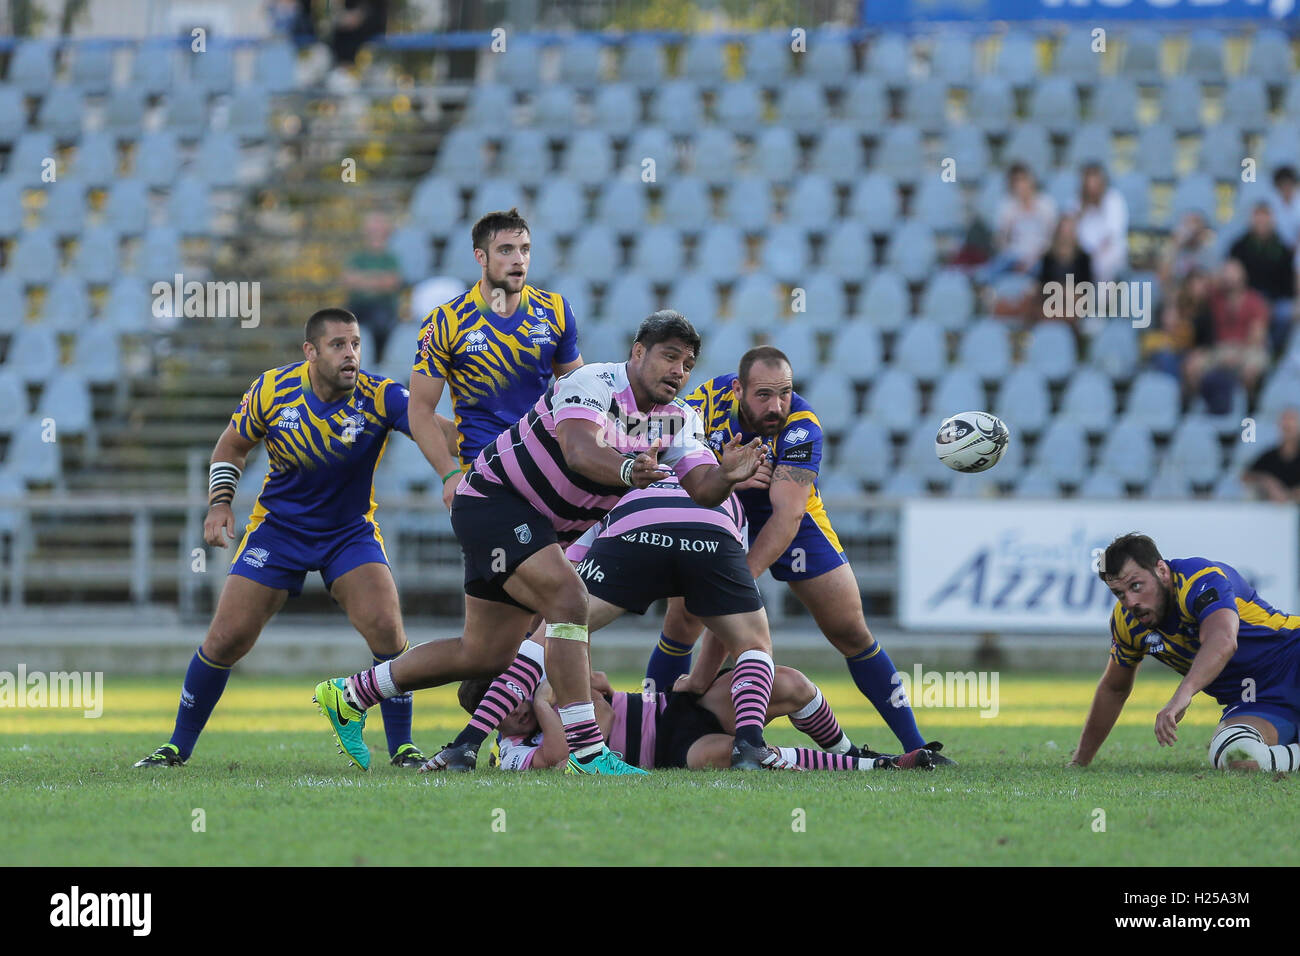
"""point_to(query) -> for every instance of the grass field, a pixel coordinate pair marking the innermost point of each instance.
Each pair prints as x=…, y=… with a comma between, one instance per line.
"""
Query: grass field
x=273, y=791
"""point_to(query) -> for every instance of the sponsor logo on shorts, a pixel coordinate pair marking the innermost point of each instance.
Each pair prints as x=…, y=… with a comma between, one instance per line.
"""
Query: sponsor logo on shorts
x=289, y=418
x=256, y=557
x=476, y=341
x=590, y=571
x=524, y=534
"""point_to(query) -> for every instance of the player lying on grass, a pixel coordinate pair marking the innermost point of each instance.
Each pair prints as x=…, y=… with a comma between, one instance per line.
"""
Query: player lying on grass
x=790, y=533
x=1203, y=620
x=603, y=429
x=658, y=543
x=680, y=729
x=325, y=423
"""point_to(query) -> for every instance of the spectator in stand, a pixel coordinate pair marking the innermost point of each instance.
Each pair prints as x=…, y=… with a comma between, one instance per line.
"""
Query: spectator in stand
x=292, y=18
x=1064, y=258
x=374, y=282
x=1286, y=204
x=1025, y=220
x=1103, y=224
x=1190, y=248
x=1270, y=270
x=1275, y=475
x=355, y=23
x=1240, y=323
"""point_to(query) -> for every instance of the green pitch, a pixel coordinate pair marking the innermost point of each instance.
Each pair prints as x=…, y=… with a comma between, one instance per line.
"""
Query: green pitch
x=266, y=787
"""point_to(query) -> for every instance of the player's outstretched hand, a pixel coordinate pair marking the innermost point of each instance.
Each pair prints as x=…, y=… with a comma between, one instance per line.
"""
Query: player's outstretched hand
x=740, y=462
x=761, y=479
x=646, y=469
x=220, y=519
x=1168, y=718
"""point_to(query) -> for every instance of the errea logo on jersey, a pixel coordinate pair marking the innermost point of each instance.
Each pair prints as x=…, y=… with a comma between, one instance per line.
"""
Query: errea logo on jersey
x=289, y=418
x=476, y=341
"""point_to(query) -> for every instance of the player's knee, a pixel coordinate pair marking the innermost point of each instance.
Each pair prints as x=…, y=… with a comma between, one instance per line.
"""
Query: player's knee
x=384, y=632
x=568, y=605
x=1236, y=746
x=226, y=646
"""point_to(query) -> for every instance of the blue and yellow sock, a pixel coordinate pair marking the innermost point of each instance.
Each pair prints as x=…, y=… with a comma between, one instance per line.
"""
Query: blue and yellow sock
x=873, y=672
x=668, y=661
x=396, y=710
x=205, y=682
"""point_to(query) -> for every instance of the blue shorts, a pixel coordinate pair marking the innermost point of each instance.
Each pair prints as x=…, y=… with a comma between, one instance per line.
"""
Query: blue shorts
x=280, y=557
x=811, y=554
x=1278, y=702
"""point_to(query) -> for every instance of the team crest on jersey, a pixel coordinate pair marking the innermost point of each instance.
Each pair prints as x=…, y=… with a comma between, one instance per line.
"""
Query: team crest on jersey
x=353, y=426
x=476, y=341
x=524, y=534
x=289, y=418
x=256, y=557
x=1154, y=642
x=796, y=436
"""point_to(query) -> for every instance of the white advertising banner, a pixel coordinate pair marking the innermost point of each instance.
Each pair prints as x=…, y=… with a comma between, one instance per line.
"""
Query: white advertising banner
x=1029, y=566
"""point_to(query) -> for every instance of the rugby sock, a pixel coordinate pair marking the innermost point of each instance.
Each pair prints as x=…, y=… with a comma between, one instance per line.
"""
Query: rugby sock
x=751, y=689
x=1286, y=756
x=668, y=661
x=817, y=720
x=807, y=759
x=873, y=672
x=518, y=682
x=581, y=730
x=395, y=710
x=204, y=683
x=366, y=688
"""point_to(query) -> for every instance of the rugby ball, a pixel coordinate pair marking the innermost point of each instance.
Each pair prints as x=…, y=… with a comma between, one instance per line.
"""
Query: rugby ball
x=971, y=441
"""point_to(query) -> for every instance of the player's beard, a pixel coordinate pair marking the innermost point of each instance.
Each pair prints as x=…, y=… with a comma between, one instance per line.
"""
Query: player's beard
x=766, y=428
x=510, y=285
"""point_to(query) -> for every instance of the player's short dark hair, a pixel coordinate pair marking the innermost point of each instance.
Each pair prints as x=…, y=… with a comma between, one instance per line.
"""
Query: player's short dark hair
x=315, y=327
x=1018, y=169
x=472, y=692
x=1282, y=174
x=664, y=325
x=494, y=222
x=764, y=354
x=1133, y=545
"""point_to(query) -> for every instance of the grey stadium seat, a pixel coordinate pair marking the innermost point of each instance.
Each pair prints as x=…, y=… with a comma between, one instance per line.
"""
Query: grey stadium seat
x=66, y=399
x=938, y=205
x=1101, y=486
x=866, y=103
x=35, y=256
x=1194, y=451
x=986, y=348
x=658, y=254
x=953, y=58
x=1156, y=150
x=749, y=203
x=801, y=106
x=958, y=391
x=755, y=301
x=629, y=296
x=642, y=62
x=864, y=452
x=676, y=107
x=189, y=206
x=969, y=149
x=786, y=253
x=13, y=113
x=830, y=56
x=714, y=155
x=1128, y=452
x=888, y=58
x=581, y=61
x=992, y=104
x=65, y=207
x=838, y=154
x=875, y=203
x=1089, y=400
x=1270, y=56
x=1246, y=101
x=1194, y=191
x=856, y=351
x=686, y=203
x=900, y=154
x=1141, y=58
x=1054, y=104
x=60, y=112
x=703, y=59
x=696, y=297
x=1136, y=190
x=32, y=458
x=95, y=163
x=97, y=354
x=1062, y=452
x=1205, y=55
x=925, y=104
x=739, y=107
x=27, y=161
x=885, y=302
x=833, y=398
x=1028, y=143
x=1115, y=104
x=589, y=158
x=1017, y=58
x=912, y=250
x=847, y=252
x=66, y=304
x=127, y=207
x=720, y=253
x=823, y=301
x=213, y=70
x=651, y=142
x=1154, y=400
x=519, y=65
x=1180, y=104
x=39, y=349
x=594, y=253
x=1090, y=144
x=1075, y=58
x=248, y=115
x=97, y=259
x=560, y=205
x=948, y=299
x=13, y=401
x=187, y=112
x=157, y=159
x=768, y=57
x=921, y=350
x=621, y=204
x=1115, y=349
x=276, y=66
x=435, y=204
x=1222, y=152
x=776, y=154
x=811, y=203
x=617, y=108
x=1022, y=397
x=153, y=67
x=895, y=400
x=1051, y=349
x=31, y=66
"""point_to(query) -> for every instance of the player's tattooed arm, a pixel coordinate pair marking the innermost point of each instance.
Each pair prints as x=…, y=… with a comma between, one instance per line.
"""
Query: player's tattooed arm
x=788, y=494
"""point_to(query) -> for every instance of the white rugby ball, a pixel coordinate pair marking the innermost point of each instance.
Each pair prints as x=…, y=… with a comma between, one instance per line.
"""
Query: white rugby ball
x=971, y=441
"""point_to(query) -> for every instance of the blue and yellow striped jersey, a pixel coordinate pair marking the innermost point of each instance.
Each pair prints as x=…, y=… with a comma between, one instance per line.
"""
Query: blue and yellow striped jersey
x=1265, y=636
x=798, y=444
x=497, y=368
x=321, y=457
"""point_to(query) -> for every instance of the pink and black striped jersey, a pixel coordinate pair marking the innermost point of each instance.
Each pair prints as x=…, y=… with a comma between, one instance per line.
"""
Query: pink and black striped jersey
x=632, y=732
x=664, y=504
x=527, y=458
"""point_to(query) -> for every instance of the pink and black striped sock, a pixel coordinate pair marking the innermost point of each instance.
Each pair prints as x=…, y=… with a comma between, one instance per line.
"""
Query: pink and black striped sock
x=367, y=688
x=807, y=759
x=751, y=690
x=817, y=720
x=581, y=730
x=518, y=682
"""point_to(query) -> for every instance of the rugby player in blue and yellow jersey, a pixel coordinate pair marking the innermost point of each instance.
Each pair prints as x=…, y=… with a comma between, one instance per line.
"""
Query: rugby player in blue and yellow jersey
x=325, y=423
x=496, y=347
x=1201, y=618
x=789, y=533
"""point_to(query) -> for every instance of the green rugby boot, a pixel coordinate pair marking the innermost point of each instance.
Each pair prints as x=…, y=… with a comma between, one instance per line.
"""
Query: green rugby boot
x=346, y=721
x=165, y=756
x=606, y=763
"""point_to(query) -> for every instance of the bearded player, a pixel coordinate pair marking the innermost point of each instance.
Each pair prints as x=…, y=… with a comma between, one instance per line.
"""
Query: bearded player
x=603, y=429
x=1202, y=619
x=789, y=534
x=326, y=423
x=495, y=346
